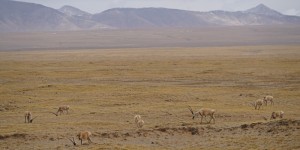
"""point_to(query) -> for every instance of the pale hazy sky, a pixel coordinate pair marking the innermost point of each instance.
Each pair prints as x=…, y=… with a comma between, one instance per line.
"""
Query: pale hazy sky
x=290, y=7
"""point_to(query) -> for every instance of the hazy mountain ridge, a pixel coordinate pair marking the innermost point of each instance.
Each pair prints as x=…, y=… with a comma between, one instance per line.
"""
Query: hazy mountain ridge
x=149, y=17
x=21, y=16
x=261, y=9
x=72, y=11
x=16, y=16
x=163, y=17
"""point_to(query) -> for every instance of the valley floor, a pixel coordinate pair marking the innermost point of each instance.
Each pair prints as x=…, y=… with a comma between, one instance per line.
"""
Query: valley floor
x=106, y=88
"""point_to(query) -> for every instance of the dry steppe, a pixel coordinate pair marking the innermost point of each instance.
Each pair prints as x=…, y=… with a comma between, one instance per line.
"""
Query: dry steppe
x=105, y=88
x=152, y=38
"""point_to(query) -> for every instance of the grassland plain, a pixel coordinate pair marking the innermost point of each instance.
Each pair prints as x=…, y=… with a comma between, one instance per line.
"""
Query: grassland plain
x=105, y=88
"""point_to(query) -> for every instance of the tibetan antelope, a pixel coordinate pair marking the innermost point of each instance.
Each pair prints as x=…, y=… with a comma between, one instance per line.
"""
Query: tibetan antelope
x=203, y=112
x=258, y=103
x=62, y=109
x=28, y=117
x=138, y=121
x=268, y=98
x=84, y=135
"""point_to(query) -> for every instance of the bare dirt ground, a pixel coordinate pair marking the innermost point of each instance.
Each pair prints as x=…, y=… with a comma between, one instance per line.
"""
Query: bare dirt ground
x=105, y=88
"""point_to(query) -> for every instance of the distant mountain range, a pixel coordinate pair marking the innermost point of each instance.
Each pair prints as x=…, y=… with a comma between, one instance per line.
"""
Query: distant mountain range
x=20, y=16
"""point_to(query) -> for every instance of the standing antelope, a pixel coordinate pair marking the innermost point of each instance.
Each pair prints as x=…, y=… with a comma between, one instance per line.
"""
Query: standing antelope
x=28, y=116
x=138, y=121
x=258, y=103
x=268, y=98
x=84, y=135
x=203, y=112
x=277, y=114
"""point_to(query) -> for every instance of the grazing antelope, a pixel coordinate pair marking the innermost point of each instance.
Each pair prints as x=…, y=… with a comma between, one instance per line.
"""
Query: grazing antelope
x=258, y=103
x=84, y=135
x=138, y=121
x=203, y=112
x=277, y=114
x=268, y=98
x=62, y=109
x=28, y=117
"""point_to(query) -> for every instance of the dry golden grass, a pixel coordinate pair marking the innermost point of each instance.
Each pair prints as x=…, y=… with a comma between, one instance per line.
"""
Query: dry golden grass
x=105, y=88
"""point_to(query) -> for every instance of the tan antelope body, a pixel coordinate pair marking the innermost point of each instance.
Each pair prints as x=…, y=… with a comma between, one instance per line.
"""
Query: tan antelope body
x=258, y=103
x=62, y=109
x=268, y=98
x=203, y=112
x=28, y=116
x=84, y=135
x=138, y=121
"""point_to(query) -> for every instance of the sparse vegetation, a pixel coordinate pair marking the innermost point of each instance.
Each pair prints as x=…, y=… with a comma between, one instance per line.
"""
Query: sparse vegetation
x=158, y=84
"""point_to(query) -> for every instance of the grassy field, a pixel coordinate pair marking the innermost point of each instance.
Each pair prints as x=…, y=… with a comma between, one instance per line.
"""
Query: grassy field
x=105, y=88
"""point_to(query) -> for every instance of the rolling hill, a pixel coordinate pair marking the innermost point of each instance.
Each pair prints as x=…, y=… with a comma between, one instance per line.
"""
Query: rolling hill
x=20, y=16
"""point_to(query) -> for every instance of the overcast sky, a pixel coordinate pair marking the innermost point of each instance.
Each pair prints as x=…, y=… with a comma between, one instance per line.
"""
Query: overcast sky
x=290, y=7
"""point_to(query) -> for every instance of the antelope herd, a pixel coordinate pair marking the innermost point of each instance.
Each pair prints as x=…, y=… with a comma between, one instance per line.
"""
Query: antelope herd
x=259, y=103
x=203, y=113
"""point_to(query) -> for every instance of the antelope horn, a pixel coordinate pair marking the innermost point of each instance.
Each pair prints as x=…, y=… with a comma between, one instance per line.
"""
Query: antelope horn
x=33, y=119
x=190, y=108
x=54, y=113
x=265, y=118
x=73, y=141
